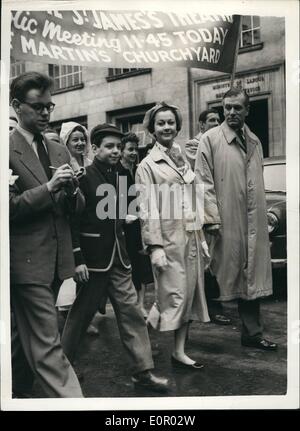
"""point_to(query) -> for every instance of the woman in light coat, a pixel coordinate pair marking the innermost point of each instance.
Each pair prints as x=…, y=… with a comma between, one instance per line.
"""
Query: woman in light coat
x=170, y=232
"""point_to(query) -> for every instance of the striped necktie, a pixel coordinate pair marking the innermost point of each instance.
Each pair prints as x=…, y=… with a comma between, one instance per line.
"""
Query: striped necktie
x=242, y=140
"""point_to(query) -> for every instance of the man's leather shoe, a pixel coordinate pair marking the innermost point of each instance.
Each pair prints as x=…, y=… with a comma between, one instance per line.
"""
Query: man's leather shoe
x=258, y=343
x=147, y=380
x=179, y=364
x=220, y=319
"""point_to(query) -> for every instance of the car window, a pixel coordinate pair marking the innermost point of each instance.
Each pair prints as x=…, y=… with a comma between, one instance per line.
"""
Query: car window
x=274, y=176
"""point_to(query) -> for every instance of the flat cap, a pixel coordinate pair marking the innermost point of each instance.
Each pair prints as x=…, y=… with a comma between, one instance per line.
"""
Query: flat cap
x=103, y=130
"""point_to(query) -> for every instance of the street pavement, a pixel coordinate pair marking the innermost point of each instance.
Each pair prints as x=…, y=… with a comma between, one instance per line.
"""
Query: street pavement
x=230, y=369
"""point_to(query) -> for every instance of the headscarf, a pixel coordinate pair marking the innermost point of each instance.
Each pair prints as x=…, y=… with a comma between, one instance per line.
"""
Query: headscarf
x=65, y=133
x=148, y=122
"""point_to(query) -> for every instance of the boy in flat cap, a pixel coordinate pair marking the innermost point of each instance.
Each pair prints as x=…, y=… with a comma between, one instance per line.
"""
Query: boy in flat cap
x=102, y=264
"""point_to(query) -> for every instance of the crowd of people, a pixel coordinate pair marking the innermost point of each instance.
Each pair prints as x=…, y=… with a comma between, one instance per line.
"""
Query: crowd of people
x=71, y=215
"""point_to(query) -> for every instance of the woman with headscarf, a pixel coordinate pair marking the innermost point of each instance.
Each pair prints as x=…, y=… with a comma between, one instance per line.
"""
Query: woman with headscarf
x=170, y=232
x=75, y=137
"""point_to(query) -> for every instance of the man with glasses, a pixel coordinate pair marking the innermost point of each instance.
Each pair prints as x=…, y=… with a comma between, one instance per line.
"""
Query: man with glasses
x=43, y=194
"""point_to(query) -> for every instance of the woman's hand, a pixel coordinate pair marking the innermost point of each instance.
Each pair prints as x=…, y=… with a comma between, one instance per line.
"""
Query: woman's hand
x=81, y=274
x=159, y=259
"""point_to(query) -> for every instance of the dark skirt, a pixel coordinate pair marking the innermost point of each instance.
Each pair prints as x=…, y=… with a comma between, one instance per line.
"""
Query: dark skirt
x=141, y=264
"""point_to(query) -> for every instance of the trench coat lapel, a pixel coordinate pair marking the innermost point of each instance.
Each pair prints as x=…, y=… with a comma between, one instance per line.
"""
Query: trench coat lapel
x=29, y=158
x=230, y=136
x=251, y=142
x=158, y=155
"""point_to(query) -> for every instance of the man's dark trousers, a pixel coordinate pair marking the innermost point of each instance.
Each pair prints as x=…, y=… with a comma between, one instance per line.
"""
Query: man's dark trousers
x=249, y=312
x=36, y=347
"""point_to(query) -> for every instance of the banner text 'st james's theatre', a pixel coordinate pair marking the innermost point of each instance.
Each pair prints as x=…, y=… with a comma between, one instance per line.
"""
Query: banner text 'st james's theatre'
x=126, y=38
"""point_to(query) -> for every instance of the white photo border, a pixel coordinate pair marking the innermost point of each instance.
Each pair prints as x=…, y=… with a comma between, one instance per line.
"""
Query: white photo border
x=284, y=8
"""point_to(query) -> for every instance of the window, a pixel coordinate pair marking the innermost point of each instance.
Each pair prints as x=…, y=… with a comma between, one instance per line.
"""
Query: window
x=275, y=176
x=56, y=125
x=134, y=124
x=131, y=120
x=65, y=77
x=16, y=68
x=117, y=73
x=250, y=34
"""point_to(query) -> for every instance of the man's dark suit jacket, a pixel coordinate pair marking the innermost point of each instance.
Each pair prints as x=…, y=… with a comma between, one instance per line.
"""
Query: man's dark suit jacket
x=40, y=237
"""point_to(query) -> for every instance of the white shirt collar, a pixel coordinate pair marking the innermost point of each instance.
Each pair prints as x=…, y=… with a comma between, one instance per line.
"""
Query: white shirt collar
x=30, y=139
x=27, y=135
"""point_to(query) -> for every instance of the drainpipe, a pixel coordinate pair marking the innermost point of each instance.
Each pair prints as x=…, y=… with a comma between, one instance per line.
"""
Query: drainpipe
x=190, y=101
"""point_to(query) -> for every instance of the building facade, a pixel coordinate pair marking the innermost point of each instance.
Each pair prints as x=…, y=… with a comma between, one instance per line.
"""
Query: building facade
x=261, y=72
x=122, y=96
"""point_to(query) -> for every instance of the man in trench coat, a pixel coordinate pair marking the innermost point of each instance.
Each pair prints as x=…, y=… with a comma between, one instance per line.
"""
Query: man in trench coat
x=229, y=163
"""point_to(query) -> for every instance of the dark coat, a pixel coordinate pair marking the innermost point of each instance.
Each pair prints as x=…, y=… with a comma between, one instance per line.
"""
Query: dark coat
x=96, y=239
x=40, y=236
x=141, y=264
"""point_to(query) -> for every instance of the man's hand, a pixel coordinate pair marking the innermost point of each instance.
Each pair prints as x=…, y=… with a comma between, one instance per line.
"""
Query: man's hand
x=61, y=177
x=212, y=229
x=81, y=274
x=159, y=259
x=71, y=187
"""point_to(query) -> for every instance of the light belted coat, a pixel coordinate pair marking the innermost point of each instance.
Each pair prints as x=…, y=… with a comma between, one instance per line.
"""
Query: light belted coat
x=235, y=197
x=180, y=287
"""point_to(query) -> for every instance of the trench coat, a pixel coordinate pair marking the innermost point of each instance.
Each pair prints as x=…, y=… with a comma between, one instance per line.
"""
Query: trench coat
x=179, y=288
x=235, y=197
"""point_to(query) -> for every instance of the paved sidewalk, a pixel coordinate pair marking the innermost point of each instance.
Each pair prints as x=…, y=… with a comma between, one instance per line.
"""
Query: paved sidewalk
x=230, y=369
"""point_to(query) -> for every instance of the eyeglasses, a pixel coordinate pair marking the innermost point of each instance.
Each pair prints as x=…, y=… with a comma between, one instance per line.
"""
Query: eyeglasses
x=39, y=107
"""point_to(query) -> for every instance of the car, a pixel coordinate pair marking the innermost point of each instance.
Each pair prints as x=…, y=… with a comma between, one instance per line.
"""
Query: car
x=275, y=189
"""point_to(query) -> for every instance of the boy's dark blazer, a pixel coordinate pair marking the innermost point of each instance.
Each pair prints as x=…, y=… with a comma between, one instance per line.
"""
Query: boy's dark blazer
x=94, y=239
